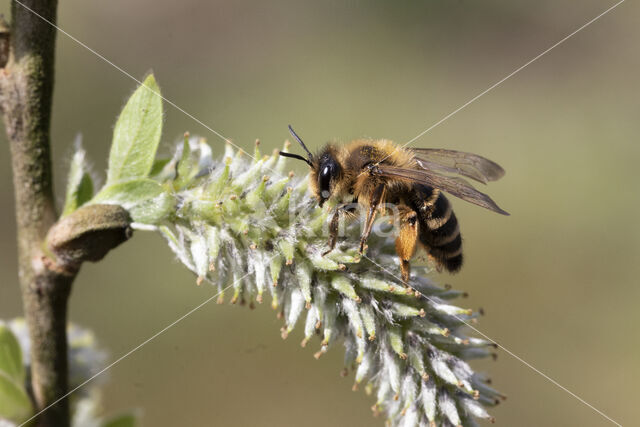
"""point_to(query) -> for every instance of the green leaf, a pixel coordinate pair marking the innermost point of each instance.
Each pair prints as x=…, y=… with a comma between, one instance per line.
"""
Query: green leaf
x=158, y=166
x=137, y=134
x=186, y=167
x=147, y=201
x=79, y=183
x=11, y=356
x=14, y=402
x=126, y=420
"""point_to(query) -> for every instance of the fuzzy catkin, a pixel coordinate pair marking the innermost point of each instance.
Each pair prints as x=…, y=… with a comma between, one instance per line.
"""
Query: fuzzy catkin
x=248, y=228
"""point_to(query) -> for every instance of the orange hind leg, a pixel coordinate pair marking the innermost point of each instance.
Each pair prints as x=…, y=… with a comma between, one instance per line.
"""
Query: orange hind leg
x=406, y=242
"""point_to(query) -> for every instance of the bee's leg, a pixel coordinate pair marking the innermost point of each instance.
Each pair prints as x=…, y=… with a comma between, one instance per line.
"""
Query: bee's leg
x=374, y=202
x=406, y=242
x=333, y=229
x=335, y=222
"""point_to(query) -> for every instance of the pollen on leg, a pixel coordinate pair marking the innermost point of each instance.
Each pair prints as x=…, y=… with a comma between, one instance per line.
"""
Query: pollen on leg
x=406, y=242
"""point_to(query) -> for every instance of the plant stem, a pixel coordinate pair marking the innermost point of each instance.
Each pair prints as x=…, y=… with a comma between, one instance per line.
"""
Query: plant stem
x=26, y=89
x=50, y=253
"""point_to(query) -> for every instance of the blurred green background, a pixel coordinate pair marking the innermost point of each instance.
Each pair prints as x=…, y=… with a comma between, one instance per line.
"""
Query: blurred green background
x=558, y=279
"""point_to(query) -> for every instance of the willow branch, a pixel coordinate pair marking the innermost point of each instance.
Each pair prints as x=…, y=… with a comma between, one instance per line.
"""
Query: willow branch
x=45, y=274
x=26, y=88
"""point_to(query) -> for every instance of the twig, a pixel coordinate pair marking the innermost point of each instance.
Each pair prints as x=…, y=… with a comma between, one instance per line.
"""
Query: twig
x=45, y=273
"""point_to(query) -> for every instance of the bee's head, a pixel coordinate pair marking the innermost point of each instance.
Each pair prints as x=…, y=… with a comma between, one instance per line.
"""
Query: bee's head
x=325, y=169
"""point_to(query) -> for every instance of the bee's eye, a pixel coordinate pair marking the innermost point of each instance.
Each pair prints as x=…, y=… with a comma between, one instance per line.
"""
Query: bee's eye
x=324, y=180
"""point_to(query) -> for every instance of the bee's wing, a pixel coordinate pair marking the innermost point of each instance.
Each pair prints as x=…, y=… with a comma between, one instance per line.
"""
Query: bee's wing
x=453, y=185
x=467, y=164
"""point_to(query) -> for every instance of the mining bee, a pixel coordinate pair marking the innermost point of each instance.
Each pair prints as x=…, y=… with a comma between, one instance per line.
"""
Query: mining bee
x=374, y=172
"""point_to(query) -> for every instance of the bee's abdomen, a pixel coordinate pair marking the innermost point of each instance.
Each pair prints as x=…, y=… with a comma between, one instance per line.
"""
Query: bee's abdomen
x=439, y=230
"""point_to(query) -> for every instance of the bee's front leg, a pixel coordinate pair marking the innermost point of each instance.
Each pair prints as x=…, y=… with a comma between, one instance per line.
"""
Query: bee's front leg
x=333, y=230
x=333, y=226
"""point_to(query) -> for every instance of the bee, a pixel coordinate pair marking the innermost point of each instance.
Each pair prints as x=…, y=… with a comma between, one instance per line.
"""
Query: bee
x=373, y=173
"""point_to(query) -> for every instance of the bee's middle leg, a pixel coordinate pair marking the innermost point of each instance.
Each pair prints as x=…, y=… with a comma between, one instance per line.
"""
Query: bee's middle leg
x=374, y=203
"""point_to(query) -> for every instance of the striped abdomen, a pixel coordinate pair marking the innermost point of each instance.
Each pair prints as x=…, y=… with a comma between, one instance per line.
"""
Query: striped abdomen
x=439, y=231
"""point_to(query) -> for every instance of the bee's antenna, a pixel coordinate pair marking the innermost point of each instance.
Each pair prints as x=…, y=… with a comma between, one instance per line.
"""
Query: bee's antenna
x=295, y=156
x=295, y=135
